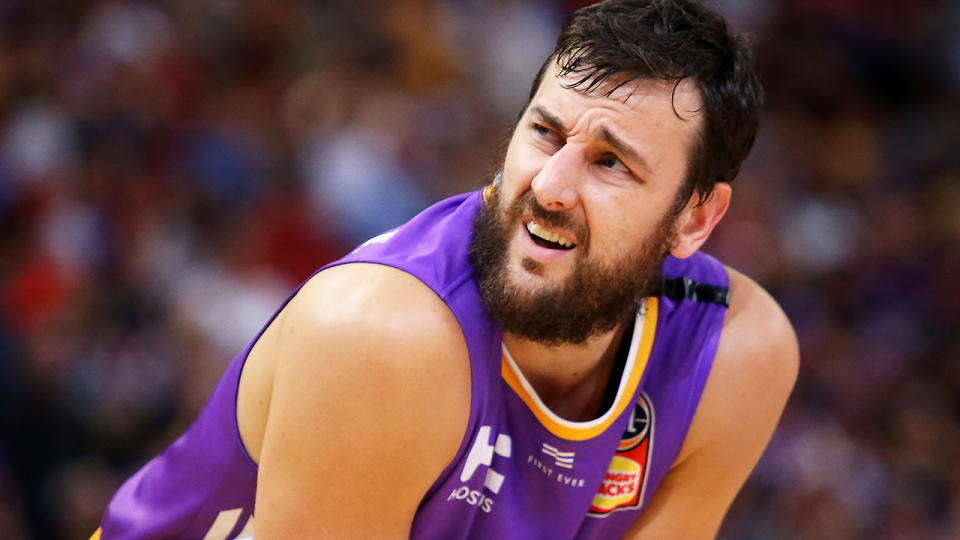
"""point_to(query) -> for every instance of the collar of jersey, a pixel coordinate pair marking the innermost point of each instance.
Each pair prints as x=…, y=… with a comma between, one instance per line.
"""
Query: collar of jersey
x=640, y=346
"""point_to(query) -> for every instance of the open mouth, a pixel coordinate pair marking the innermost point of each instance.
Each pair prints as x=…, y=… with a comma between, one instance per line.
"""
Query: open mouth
x=547, y=239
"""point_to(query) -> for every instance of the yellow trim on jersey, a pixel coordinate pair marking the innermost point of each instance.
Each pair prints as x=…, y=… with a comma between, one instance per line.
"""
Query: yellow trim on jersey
x=581, y=431
x=96, y=534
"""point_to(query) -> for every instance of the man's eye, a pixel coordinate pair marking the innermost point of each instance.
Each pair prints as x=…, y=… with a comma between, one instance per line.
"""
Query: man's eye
x=611, y=161
x=543, y=131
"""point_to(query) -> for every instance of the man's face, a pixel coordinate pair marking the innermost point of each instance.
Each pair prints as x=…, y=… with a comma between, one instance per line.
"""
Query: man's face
x=582, y=217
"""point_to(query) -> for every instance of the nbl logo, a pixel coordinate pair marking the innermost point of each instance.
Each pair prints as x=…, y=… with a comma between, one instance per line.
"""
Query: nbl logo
x=638, y=427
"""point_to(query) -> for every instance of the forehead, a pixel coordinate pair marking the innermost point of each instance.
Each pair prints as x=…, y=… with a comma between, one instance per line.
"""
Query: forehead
x=661, y=119
x=649, y=96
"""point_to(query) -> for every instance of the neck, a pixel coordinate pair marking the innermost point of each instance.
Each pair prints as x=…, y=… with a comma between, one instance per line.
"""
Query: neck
x=570, y=379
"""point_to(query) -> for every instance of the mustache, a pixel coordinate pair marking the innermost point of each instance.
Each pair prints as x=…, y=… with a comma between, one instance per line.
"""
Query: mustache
x=560, y=220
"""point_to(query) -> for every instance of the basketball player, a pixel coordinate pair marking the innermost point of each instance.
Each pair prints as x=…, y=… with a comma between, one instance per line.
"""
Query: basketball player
x=550, y=357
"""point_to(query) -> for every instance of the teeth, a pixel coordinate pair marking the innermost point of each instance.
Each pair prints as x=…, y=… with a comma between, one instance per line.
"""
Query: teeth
x=539, y=231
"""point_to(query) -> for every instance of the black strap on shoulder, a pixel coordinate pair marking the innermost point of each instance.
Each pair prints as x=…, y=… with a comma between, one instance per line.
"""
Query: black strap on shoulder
x=681, y=288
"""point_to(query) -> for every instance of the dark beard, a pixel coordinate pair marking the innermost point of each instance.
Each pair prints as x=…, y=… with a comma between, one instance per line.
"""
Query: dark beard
x=594, y=300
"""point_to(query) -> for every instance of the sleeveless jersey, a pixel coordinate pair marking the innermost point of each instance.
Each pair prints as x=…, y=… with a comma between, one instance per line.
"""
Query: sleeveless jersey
x=521, y=471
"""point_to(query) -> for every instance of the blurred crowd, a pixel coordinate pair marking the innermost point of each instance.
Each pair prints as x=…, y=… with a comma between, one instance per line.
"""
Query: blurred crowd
x=169, y=171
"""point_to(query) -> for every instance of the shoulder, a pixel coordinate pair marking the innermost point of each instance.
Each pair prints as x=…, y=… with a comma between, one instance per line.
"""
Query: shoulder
x=378, y=322
x=359, y=297
x=755, y=323
x=753, y=372
x=754, y=369
x=371, y=367
x=758, y=350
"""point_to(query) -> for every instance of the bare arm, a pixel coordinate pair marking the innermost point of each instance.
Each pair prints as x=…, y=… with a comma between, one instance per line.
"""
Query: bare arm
x=753, y=373
x=370, y=400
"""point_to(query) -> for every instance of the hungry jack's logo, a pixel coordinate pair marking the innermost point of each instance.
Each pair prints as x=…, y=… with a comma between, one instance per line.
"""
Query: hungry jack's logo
x=624, y=483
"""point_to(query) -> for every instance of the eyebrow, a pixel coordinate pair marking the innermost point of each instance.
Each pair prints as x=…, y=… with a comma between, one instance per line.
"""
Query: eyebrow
x=623, y=148
x=550, y=120
x=608, y=137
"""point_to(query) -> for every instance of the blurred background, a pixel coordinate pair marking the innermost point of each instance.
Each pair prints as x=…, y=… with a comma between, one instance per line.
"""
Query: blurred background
x=169, y=171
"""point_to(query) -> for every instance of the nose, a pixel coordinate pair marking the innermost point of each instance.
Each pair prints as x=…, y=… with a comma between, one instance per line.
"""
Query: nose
x=556, y=186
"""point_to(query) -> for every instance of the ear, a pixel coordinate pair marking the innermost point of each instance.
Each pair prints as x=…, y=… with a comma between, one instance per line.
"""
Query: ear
x=696, y=222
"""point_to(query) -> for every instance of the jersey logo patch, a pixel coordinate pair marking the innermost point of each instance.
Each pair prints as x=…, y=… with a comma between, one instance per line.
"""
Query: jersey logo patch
x=624, y=484
x=481, y=453
x=560, y=459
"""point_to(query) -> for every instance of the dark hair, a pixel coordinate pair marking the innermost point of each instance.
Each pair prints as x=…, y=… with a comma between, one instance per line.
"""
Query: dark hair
x=618, y=41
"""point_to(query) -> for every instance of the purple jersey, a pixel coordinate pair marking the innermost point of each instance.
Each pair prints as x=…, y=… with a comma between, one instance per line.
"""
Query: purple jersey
x=521, y=471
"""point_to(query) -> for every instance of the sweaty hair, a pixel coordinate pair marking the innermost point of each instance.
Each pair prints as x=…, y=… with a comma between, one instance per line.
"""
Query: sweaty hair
x=606, y=45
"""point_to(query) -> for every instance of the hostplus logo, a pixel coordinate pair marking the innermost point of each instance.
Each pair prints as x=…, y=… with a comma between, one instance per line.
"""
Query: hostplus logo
x=481, y=454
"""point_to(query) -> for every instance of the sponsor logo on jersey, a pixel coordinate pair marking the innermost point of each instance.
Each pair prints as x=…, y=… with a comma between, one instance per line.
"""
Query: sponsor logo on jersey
x=560, y=459
x=564, y=460
x=624, y=484
x=481, y=454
